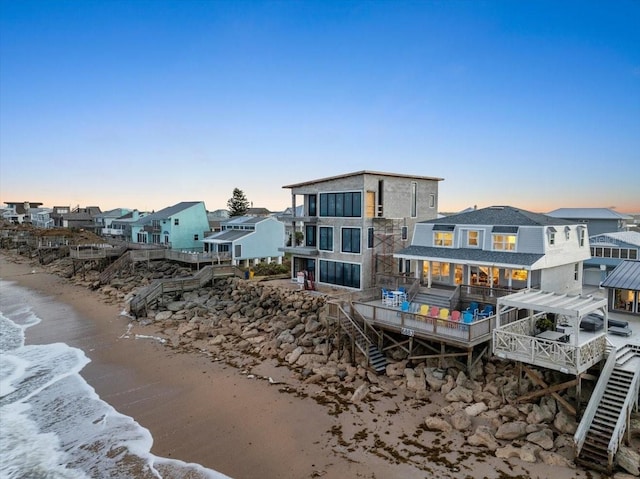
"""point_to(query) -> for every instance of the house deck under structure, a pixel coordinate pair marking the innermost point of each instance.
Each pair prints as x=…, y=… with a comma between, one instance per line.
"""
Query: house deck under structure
x=376, y=328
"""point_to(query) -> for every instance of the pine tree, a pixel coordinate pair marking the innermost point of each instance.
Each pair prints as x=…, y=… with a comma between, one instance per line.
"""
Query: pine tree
x=238, y=203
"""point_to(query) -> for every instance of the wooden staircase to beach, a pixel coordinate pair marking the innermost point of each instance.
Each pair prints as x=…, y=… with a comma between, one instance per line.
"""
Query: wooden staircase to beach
x=360, y=339
x=123, y=262
x=602, y=428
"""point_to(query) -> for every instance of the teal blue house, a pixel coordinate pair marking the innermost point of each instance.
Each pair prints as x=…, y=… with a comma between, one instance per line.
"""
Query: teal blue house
x=179, y=227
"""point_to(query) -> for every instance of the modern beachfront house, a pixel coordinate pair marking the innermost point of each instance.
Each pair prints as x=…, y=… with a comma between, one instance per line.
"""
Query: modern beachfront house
x=247, y=240
x=179, y=227
x=354, y=223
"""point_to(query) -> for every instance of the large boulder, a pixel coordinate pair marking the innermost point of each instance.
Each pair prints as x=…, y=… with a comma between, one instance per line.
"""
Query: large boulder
x=483, y=437
x=460, y=394
x=629, y=460
x=434, y=423
x=511, y=430
x=543, y=438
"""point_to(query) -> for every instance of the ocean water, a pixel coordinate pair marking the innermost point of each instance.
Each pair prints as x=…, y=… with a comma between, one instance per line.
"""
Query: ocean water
x=52, y=423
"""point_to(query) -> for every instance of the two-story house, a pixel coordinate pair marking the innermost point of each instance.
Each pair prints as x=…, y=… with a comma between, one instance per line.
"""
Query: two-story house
x=353, y=223
x=81, y=218
x=248, y=240
x=121, y=227
x=179, y=227
x=499, y=247
x=103, y=220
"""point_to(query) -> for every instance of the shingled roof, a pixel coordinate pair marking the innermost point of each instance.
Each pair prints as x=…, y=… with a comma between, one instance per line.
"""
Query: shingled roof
x=499, y=216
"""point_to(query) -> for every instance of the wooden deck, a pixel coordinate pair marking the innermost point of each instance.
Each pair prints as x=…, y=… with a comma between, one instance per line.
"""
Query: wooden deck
x=413, y=324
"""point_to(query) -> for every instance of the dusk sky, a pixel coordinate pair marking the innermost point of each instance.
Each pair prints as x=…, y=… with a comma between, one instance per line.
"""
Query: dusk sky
x=143, y=104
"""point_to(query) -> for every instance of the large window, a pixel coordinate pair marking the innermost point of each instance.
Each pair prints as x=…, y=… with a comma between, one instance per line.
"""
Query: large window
x=341, y=204
x=326, y=238
x=621, y=253
x=443, y=238
x=310, y=236
x=370, y=238
x=504, y=242
x=313, y=211
x=350, y=240
x=343, y=274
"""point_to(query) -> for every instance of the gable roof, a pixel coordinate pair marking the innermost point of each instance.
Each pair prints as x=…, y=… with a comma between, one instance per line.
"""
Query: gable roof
x=166, y=213
x=360, y=173
x=498, y=216
x=588, y=213
x=625, y=276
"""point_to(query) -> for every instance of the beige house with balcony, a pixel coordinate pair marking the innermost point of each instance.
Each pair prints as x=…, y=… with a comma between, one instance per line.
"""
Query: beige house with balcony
x=354, y=223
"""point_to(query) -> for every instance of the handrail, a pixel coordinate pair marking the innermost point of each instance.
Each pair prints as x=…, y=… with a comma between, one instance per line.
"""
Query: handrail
x=621, y=423
x=361, y=334
x=156, y=288
x=596, y=396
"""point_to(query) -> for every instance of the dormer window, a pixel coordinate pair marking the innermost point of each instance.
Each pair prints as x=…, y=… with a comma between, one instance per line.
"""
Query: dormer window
x=551, y=233
x=581, y=235
x=443, y=235
x=504, y=238
x=567, y=232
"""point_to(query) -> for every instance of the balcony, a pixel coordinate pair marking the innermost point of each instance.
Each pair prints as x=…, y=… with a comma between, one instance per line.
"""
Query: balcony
x=300, y=250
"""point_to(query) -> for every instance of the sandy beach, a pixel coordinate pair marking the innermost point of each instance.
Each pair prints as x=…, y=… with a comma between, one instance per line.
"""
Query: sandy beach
x=252, y=419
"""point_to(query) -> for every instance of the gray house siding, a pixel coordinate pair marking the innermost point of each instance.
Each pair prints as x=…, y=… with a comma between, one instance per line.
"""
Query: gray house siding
x=530, y=240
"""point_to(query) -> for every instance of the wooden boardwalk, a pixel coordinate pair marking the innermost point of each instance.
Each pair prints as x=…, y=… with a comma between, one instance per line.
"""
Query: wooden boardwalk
x=151, y=294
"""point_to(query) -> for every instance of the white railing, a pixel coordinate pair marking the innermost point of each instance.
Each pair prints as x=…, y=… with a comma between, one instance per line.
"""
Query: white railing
x=596, y=396
x=625, y=413
x=514, y=341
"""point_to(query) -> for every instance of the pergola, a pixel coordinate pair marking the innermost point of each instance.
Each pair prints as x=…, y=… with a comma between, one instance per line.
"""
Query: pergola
x=571, y=307
x=516, y=337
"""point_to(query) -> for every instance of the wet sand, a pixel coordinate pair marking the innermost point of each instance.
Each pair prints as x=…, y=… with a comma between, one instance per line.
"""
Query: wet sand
x=234, y=420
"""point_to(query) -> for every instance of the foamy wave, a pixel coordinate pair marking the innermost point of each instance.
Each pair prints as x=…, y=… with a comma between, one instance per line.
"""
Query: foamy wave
x=54, y=425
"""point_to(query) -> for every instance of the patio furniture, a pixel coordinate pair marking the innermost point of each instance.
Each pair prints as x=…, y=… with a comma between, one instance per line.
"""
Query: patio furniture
x=444, y=313
x=387, y=297
x=434, y=311
x=455, y=315
x=486, y=311
x=406, y=306
x=618, y=328
x=592, y=322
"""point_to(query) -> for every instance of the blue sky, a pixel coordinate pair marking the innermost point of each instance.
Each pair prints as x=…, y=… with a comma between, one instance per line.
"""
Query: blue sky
x=143, y=104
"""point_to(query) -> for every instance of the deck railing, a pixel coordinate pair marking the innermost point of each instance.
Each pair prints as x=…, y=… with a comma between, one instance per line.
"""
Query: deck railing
x=516, y=341
x=414, y=324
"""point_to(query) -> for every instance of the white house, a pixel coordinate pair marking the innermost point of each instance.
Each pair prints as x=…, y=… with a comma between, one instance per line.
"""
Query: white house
x=500, y=247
